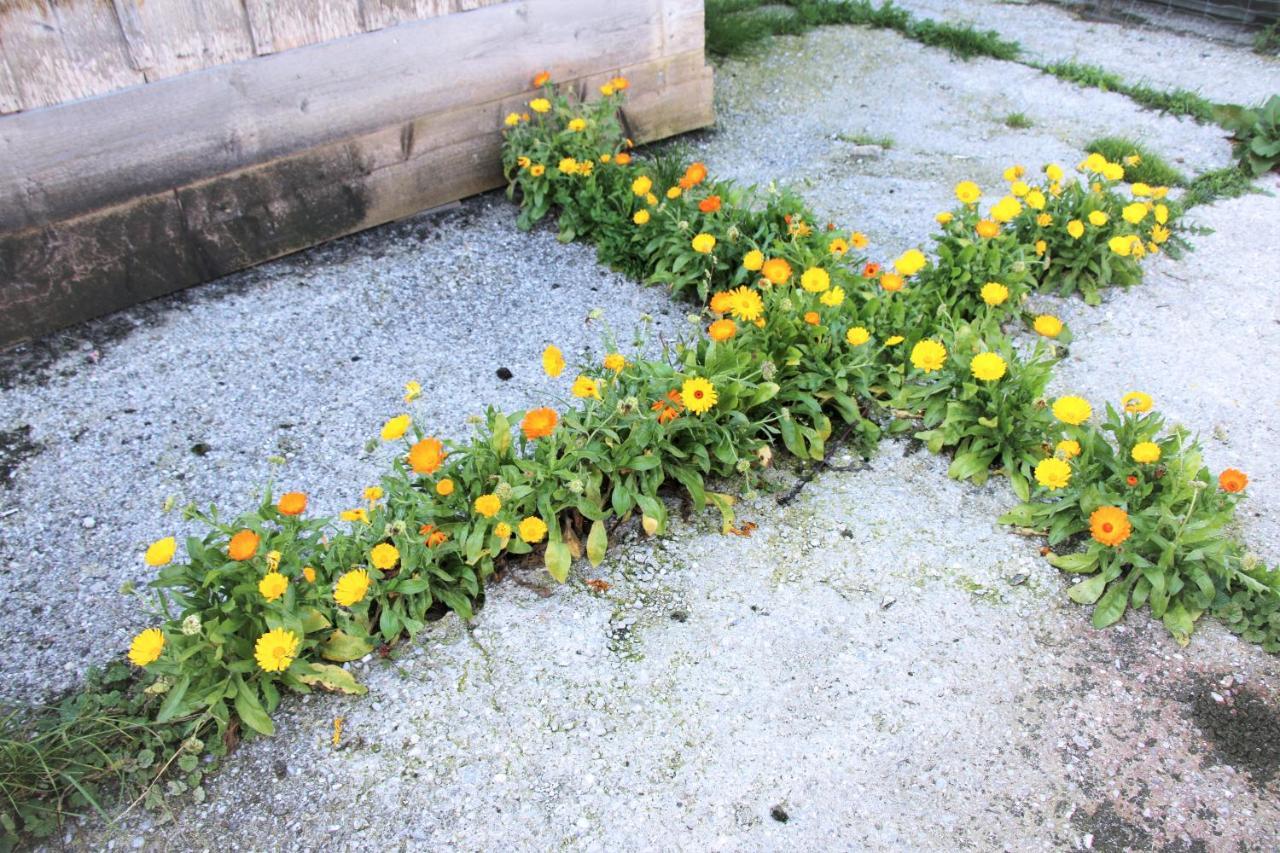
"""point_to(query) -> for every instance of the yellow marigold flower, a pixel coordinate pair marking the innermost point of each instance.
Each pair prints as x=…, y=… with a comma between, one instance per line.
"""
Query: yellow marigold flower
x=986, y=228
x=838, y=247
x=1044, y=220
x=273, y=560
x=273, y=585
x=745, y=304
x=384, y=556
x=1140, y=189
x=1132, y=159
x=1123, y=244
x=753, y=260
x=1110, y=525
x=1075, y=228
x=615, y=361
x=928, y=356
x=703, y=243
x=1159, y=192
x=1094, y=163
x=1159, y=234
x=552, y=361
x=1136, y=401
x=276, y=649
x=1047, y=325
x=512, y=119
x=1145, y=452
x=722, y=330
x=1014, y=172
x=968, y=192
x=396, y=427
x=537, y=170
x=540, y=105
x=373, y=494
x=698, y=395
x=833, y=297
x=1041, y=247
x=351, y=587
x=160, y=552
x=568, y=166
x=1098, y=218
x=943, y=218
x=776, y=270
x=585, y=167
x=502, y=530
x=859, y=240
x=640, y=217
x=1019, y=188
x=1054, y=172
x=1053, y=473
x=987, y=366
x=412, y=390
x=577, y=125
x=994, y=293
x=891, y=282
x=674, y=192
x=309, y=573
x=641, y=185
x=1162, y=214
x=1036, y=200
x=1113, y=171
x=894, y=340
x=857, y=336
x=532, y=530
x=1134, y=213
x=1005, y=209
x=815, y=280
x=607, y=89
x=355, y=515
x=146, y=647
x=445, y=487
x=606, y=158
x=910, y=262
x=1072, y=410
x=1068, y=448
x=650, y=199
x=584, y=387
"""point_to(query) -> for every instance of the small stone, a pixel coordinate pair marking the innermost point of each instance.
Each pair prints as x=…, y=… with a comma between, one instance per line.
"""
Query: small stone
x=88, y=522
x=779, y=814
x=887, y=602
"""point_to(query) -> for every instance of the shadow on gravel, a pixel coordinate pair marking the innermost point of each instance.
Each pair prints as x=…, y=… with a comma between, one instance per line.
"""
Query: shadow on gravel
x=16, y=447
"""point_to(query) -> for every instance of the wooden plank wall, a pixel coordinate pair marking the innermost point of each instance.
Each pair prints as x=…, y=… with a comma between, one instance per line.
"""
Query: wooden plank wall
x=107, y=201
x=56, y=51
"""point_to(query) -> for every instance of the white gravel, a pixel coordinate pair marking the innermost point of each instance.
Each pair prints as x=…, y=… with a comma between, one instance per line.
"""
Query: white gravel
x=880, y=664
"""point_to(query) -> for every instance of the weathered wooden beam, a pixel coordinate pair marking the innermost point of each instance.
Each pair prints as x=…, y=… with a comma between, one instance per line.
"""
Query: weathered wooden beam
x=83, y=266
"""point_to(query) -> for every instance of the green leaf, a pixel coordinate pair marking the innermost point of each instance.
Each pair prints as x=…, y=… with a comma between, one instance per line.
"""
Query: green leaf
x=333, y=678
x=558, y=560
x=1083, y=562
x=342, y=646
x=250, y=711
x=173, y=706
x=597, y=543
x=1112, y=605
x=314, y=620
x=1087, y=592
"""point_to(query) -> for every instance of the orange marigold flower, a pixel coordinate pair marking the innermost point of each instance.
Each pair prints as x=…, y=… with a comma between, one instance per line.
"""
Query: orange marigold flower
x=871, y=270
x=427, y=456
x=622, y=158
x=722, y=330
x=1110, y=525
x=694, y=175
x=722, y=302
x=1233, y=480
x=541, y=79
x=292, y=503
x=986, y=228
x=777, y=270
x=710, y=204
x=539, y=423
x=432, y=535
x=891, y=281
x=812, y=318
x=243, y=545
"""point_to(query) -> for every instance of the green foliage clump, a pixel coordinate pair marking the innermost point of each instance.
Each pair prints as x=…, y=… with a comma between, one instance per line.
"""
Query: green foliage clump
x=1208, y=187
x=1255, y=134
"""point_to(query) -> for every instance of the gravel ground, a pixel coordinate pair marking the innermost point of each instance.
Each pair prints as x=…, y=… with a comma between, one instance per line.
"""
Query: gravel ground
x=879, y=666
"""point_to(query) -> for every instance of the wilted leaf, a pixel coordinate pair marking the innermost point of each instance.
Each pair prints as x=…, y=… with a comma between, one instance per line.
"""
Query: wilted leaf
x=333, y=678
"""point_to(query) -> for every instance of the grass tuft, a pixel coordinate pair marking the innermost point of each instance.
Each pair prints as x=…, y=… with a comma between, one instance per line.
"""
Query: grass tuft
x=885, y=142
x=1178, y=102
x=1151, y=168
x=1228, y=182
x=964, y=41
x=1018, y=121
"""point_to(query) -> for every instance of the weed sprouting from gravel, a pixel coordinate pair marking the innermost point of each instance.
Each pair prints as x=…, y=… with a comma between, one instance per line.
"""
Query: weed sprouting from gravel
x=1018, y=121
x=1141, y=164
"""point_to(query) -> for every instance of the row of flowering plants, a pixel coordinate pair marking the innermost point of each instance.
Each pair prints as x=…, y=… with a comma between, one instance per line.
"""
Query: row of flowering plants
x=803, y=338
